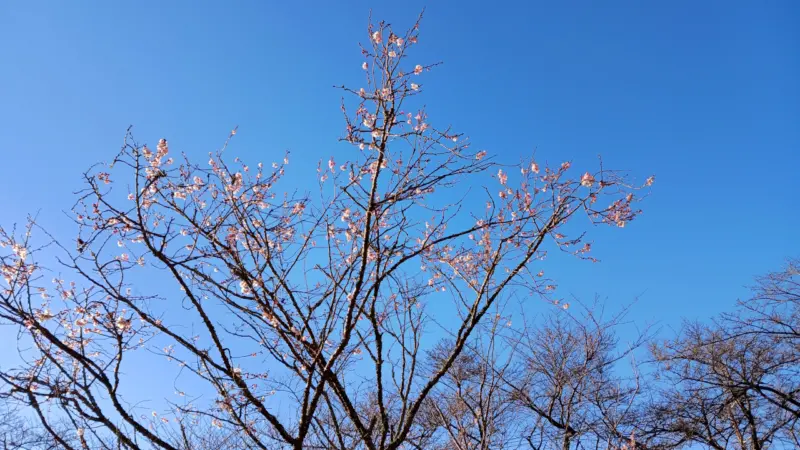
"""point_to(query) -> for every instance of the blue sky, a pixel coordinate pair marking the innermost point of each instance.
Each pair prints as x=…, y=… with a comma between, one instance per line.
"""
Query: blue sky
x=704, y=95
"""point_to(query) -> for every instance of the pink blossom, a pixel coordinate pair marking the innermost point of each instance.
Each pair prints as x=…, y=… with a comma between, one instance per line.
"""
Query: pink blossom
x=534, y=167
x=398, y=42
x=44, y=315
x=480, y=155
x=417, y=69
x=244, y=287
x=162, y=147
x=123, y=324
x=377, y=37
x=298, y=208
x=364, y=65
x=20, y=251
x=502, y=177
x=414, y=86
x=587, y=180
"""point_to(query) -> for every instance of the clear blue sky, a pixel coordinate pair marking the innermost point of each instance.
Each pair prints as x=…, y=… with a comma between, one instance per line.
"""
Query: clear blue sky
x=705, y=95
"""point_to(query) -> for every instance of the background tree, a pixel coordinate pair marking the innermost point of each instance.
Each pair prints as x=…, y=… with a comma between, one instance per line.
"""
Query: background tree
x=773, y=315
x=567, y=382
x=16, y=434
x=472, y=409
x=735, y=383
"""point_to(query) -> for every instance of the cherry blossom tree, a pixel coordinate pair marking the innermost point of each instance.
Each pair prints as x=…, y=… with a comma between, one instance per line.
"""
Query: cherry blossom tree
x=300, y=320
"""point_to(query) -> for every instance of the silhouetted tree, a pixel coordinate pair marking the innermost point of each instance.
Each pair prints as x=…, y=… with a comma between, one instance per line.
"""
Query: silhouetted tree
x=735, y=383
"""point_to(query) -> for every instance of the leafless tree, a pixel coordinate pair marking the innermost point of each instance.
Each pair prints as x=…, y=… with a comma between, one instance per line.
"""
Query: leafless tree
x=554, y=383
x=473, y=410
x=569, y=383
x=773, y=314
x=18, y=432
x=735, y=383
x=299, y=320
x=710, y=399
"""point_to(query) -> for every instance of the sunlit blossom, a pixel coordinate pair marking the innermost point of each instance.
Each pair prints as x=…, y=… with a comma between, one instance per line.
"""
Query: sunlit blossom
x=123, y=324
x=502, y=177
x=587, y=180
x=298, y=208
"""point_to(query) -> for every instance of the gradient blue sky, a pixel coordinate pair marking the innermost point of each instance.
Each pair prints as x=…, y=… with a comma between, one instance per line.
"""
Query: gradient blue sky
x=704, y=94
